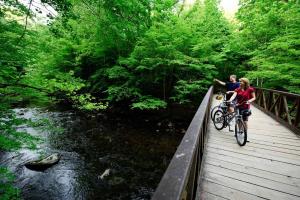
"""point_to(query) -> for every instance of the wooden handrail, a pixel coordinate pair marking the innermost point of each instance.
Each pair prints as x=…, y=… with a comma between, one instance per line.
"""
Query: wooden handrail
x=281, y=92
x=180, y=179
x=282, y=106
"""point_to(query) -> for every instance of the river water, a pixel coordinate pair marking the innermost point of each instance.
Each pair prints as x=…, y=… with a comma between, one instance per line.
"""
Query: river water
x=135, y=150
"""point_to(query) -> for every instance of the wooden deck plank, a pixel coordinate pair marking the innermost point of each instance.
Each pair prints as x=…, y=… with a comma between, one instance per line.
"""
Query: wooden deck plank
x=253, y=179
x=267, y=139
x=267, y=165
x=248, y=187
x=209, y=196
x=255, y=145
x=225, y=192
x=266, y=168
x=260, y=153
x=277, y=147
x=252, y=144
x=266, y=133
x=253, y=139
x=252, y=170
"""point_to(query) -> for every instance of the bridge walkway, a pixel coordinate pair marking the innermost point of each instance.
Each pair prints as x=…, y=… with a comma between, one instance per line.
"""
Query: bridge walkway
x=267, y=167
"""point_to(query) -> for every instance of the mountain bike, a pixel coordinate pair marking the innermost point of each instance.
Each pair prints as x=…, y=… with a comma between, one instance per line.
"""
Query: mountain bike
x=222, y=106
x=222, y=120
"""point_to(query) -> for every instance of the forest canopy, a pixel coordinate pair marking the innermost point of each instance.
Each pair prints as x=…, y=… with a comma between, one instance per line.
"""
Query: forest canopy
x=143, y=54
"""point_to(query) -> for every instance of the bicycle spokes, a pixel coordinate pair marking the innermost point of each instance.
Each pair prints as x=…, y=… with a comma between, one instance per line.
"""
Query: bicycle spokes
x=219, y=119
x=240, y=133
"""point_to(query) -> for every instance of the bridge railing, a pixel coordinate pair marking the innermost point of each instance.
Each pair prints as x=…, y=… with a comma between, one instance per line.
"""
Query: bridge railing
x=282, y=106
x=180, y=179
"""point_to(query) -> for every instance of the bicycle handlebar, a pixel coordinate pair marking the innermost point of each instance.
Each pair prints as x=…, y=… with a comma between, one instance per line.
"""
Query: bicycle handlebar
x=237, y=104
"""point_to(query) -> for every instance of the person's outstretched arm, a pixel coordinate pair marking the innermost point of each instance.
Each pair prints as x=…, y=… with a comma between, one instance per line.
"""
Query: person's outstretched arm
x=220, y=82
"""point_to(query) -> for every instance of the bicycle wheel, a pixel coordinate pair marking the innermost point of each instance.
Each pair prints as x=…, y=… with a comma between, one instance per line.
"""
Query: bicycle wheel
x=240, y=132
x=219, y=119
x=213, y=111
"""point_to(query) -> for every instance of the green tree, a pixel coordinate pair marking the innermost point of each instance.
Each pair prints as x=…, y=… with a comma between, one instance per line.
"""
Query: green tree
x=174, y=61
x=269, y=31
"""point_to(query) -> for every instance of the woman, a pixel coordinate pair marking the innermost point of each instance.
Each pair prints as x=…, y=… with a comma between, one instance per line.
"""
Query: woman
x=245, y=95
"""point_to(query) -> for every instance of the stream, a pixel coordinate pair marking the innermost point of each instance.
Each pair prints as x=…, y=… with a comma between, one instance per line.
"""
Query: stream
x=133, y=151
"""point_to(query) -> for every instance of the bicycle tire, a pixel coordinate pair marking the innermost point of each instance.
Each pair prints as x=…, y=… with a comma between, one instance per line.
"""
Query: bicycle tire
x=240, y=132
x=220, y=115
x=212, y=112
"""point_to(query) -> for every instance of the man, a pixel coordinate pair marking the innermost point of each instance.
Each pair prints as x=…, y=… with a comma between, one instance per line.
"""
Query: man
x=230, y=86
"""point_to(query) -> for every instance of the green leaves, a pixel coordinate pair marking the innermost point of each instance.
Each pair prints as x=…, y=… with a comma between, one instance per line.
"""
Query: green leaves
x=124, y=92
x=117, y=72
x=149, y=103
x=7, y=191
x=176, y=51
x=273, y=33
x=185, y=91
x=86, y=102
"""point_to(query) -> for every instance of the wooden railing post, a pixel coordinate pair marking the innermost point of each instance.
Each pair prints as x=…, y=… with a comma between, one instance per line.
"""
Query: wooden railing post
x=264, y=100
x=258, y=94
x=287, y=110
x=270, y=100
x=297, y=118
x=275, y=104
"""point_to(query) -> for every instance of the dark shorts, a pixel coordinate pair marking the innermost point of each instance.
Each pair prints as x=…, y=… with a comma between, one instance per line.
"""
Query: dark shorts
x=245, y=113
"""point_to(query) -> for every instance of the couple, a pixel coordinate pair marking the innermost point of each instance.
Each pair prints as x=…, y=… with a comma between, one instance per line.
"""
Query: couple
x=240, y=91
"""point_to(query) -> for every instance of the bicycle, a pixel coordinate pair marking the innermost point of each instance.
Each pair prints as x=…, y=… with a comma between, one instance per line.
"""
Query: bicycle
x=222, y=106
x=222, y=120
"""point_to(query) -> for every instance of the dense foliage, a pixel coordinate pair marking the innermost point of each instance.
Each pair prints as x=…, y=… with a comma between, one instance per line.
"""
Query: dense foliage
x=268, y=43
x=144, y=54
x=141, y=54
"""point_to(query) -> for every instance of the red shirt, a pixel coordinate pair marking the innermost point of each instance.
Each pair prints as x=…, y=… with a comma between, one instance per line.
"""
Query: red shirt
x=243, y=96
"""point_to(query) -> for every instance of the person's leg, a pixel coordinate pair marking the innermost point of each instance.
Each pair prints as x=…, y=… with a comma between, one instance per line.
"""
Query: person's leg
x=246, y=124
x=231, y=106
x=245, y=119
x=230, y=109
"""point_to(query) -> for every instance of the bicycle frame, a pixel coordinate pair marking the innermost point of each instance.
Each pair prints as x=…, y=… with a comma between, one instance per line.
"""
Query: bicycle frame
x=235, y=115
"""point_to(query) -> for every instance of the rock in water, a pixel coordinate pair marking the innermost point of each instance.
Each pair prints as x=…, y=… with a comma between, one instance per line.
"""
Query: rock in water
x=105, y=173
x=44, y=163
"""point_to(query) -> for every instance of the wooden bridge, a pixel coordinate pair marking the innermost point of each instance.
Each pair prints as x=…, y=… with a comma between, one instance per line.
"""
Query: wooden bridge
x=209, y=164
